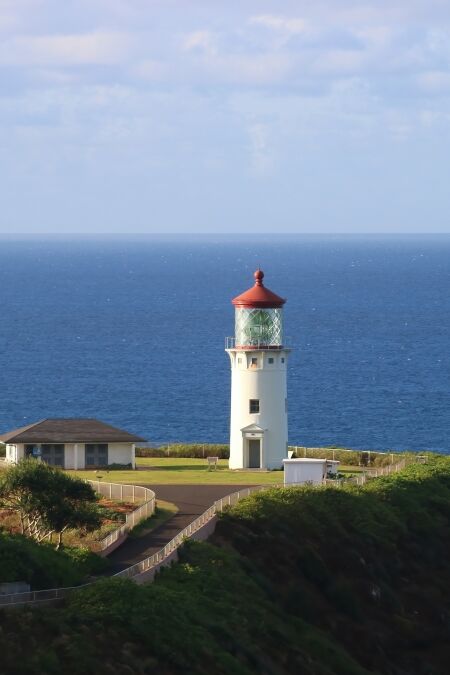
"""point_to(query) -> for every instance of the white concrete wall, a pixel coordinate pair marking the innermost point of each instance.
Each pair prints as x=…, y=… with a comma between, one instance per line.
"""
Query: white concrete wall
x=301, y=471
x=14, y=452
x=120, y=453
x=267, y=383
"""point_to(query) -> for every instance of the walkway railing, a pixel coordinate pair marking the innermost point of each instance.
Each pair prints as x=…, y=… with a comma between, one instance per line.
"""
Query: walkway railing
x=197, y=524
x=34, y=597
x=133, y=493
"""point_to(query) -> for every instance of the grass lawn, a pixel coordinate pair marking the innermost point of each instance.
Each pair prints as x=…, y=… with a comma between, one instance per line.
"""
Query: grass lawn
x=164, y=511
x=168, y=470
x=173, y=470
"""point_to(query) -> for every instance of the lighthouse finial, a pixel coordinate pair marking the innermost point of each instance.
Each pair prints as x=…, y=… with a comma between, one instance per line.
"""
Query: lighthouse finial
x=259, y=276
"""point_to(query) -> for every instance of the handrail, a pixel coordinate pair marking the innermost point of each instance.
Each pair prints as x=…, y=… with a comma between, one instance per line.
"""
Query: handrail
x=255, y=343
x=145, y=510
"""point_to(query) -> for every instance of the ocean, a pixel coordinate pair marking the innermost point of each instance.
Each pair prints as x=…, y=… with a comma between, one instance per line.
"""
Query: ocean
x=132, y=331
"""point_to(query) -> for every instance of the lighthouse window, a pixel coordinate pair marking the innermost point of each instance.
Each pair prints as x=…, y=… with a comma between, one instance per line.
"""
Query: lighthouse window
x=239, y=361
x=282, y=360
x=254, y=361
x=253, y=406
x=270, y=359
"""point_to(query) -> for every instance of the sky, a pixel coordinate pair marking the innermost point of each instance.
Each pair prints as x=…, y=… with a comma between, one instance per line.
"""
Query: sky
x=139, y=116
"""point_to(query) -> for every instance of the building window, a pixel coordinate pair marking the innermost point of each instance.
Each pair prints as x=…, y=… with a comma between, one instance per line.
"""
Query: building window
x=239, y=360
x=253, y=406
x=96, y=454
x=282, y=359
x=53, y=454
x=270, y=359
x=254, y=362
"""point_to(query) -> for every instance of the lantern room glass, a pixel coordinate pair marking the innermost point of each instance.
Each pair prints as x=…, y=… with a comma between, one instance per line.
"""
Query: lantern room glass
x=258, y=327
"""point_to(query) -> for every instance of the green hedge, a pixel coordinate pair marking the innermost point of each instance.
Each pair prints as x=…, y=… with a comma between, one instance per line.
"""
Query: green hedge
x=350, y=457
x=200, y=450
x=196, y=450
x=40, y=565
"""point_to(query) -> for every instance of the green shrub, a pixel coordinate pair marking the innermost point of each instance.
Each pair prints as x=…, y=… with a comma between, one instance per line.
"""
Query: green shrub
x=40, y=565
x=193, y=450
x=350, y=457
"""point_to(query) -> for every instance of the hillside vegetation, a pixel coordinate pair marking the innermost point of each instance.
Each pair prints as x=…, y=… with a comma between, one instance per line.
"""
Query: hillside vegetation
x=309, y=581
x=41, y=566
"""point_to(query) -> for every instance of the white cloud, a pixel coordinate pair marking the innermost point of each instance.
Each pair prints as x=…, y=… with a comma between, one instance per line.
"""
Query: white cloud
x=291, y=25
x=254, y=69
x=65, y=50
x=260, y=158
x=340, y=61
x=435, y=81
x=200, y=40
x=150, y=69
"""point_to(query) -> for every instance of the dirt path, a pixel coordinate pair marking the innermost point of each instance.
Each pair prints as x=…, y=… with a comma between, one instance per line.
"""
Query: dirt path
x=192, y=500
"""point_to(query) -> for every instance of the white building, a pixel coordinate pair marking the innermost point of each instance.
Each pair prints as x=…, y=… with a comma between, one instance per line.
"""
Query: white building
x=259, y=429
x=304, y=471
x=71, y=443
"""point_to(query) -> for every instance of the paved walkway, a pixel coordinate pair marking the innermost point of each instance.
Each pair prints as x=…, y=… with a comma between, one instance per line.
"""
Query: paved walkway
x=192, y=501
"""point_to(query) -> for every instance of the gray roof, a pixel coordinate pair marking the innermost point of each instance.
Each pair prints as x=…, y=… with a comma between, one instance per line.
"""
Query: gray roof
x=69, y=430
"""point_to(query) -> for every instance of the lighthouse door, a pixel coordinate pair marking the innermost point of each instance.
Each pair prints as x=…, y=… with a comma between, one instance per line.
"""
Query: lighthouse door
x=254, y=453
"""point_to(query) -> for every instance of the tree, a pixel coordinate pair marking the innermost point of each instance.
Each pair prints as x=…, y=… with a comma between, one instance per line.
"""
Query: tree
x=47, y=500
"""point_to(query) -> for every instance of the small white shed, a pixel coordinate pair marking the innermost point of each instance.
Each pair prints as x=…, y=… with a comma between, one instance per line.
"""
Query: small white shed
x=304, y=470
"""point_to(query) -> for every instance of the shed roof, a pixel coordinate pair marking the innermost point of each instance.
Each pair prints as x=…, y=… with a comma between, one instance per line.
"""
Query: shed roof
x=69, y=430
x=305, y=460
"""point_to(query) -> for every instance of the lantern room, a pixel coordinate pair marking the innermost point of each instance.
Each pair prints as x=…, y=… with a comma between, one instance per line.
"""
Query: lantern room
x=258, y=317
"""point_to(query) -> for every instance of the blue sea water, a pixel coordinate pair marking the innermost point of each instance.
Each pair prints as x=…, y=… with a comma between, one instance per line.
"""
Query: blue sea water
x=132, y=332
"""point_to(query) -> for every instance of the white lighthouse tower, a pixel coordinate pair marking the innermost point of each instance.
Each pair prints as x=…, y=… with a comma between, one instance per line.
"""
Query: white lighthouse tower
x=259, y=430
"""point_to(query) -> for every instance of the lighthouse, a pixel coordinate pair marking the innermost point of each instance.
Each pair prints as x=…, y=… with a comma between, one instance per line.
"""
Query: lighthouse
x=258, y=429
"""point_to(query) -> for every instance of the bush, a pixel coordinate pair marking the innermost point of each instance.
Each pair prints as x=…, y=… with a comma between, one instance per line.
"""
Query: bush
x=86, y=561
x=40, y=565
x=349, y=457
x=151, y=452
x=193, y=450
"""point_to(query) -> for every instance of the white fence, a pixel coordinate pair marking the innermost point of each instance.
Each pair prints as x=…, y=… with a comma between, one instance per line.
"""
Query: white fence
x=364, y=476
x=34, y=597
x=382, y=471
x=134, y=493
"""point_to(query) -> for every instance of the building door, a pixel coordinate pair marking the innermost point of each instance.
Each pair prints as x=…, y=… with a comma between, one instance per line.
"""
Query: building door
x=53, y=454
x=254, y=453
x=96, y=454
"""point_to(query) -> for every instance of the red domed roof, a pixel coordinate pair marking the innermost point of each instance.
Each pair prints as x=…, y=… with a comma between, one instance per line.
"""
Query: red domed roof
x=258, y=295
